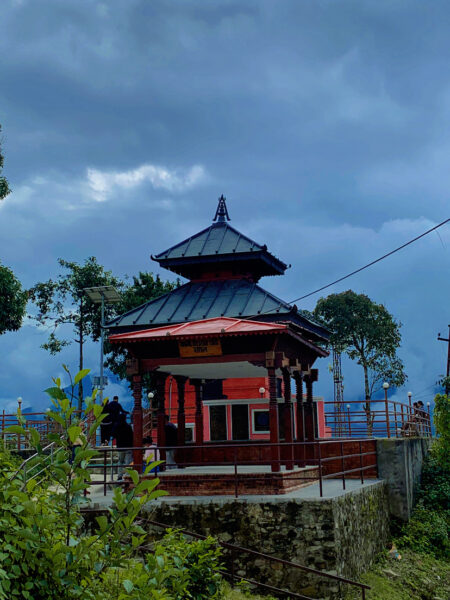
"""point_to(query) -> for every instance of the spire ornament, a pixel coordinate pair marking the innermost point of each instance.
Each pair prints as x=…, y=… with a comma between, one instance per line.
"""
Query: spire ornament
x=222, y=212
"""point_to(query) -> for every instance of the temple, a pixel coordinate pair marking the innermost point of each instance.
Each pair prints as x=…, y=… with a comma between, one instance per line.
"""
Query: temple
x=223, y=351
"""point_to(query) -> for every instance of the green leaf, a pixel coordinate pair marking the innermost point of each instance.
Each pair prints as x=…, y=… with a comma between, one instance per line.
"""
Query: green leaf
x=56, y=393
x=74, y=432
x=134, y=476
x=128, y=585
x=81, y=375
x=35, y=437
x=16, y=429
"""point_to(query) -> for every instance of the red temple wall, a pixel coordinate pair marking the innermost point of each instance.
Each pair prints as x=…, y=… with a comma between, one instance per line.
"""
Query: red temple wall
x=233, y=389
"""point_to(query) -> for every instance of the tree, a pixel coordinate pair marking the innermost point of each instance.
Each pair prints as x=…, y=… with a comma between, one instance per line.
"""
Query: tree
x=4, y=187
x=13, y=301
x=367, y=333
x=145, y=287
x=62, y=302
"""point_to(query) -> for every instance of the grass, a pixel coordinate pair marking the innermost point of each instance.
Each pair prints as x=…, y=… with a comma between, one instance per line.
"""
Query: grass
x=415, y=577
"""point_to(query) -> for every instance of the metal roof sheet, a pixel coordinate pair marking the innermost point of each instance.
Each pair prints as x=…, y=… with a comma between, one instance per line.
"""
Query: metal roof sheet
x=199, y=300
x=219, y=240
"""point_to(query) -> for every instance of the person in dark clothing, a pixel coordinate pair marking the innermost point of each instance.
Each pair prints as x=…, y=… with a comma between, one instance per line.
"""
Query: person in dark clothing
x=124, y=440
x=171, y=432
x=106, y=424
x=116, y=411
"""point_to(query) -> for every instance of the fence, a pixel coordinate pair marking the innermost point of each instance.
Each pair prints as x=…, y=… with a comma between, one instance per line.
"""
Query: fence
x=341, y=460
x=376, y=418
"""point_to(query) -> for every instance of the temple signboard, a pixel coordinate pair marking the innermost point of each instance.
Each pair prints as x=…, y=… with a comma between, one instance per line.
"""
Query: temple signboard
x=206, y=347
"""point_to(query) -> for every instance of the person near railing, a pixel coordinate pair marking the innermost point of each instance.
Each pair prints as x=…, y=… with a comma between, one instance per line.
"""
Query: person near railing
x=124, y=442
x=150, y=453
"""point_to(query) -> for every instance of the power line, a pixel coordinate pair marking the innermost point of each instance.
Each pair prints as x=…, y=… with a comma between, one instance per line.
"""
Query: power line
x=324, y=287
x=373, y=262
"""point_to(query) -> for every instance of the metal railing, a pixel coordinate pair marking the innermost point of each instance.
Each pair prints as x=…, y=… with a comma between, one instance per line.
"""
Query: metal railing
x=234, y=553
x=330, y=459
x=376, y=418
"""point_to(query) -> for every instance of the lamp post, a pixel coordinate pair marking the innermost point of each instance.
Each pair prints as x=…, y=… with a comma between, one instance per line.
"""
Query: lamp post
x=102, y=294
x=429, y=418
x=410, y=404
x=386, y=407
x=150, y=397
x=349, y=422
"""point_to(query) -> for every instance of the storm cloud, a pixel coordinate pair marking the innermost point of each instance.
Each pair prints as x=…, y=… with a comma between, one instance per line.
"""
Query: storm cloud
x=324, y=123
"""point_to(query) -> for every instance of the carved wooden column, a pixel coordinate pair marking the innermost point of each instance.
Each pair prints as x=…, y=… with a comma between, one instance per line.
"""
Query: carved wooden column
x=273, y=419
x=300, y=449
x=310, y=426
x=288, y=426
x=161, y=397
x=137, y=421
x=198, y=384
x=181, y=418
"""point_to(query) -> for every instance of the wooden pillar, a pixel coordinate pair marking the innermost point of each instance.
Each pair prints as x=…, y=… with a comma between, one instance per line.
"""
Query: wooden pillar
x=288, y=425
x=181, y=417
x=309, y=419
x=273, y=419
x=300, y=449
x=198, y=384
x=161, y=397
x=309, y=409
x=137, y=421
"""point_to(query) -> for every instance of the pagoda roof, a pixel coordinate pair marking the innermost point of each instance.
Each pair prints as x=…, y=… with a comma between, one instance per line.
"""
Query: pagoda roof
x=220, y=245
x=199, y=300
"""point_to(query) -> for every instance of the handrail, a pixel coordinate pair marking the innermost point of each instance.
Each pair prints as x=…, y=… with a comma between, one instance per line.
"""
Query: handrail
x=357, y=462
x=242, y=550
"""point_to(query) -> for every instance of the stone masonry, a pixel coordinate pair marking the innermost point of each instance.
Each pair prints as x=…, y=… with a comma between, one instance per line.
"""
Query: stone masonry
x=340, y=535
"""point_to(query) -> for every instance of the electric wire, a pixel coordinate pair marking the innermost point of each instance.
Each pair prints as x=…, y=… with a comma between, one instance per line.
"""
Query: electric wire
x=373, y=262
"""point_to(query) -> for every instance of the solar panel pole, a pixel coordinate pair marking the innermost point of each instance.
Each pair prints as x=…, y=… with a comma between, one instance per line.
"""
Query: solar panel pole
x=103, y=294
x=102, y=337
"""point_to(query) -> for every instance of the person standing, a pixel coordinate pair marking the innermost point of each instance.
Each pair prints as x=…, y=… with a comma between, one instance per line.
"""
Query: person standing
x=116, y=411
x=124, y=442
x=106, y=424
x=171, y=432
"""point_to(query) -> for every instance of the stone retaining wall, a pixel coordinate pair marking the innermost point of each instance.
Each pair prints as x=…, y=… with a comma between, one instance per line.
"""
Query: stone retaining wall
x=400, y=464
x=340, y=535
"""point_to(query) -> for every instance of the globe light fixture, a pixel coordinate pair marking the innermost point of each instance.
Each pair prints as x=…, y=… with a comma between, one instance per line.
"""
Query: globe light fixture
x=262, y=391
x=385, y=385
x=409, y=394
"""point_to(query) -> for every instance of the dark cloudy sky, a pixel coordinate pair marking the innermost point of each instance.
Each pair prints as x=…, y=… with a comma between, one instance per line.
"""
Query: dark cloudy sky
x=325, y=123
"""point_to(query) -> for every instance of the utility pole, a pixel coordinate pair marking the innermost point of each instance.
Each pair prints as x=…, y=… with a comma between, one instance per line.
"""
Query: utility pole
x=441, y=339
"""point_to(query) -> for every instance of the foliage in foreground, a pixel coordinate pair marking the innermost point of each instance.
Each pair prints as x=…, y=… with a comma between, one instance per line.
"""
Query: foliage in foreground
x=46, y=552
x=176, y=569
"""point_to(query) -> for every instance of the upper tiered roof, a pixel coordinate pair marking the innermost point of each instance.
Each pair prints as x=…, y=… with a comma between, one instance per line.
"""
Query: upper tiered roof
x=223, y=266
x=220, y=251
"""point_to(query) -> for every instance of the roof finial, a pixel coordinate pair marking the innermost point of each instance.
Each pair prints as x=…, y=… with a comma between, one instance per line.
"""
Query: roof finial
x=222, y=211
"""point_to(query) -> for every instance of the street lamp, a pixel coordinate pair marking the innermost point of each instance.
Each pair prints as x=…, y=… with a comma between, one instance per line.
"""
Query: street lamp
x=262, y=391
x=102, y=294
x=386, y=407
x=349, y=422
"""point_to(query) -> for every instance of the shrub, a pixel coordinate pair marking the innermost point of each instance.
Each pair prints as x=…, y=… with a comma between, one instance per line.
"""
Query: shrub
x=177, y=569
x=45, y=555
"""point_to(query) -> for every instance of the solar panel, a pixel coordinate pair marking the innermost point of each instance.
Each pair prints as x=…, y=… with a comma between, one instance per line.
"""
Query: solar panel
x=107, y=292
